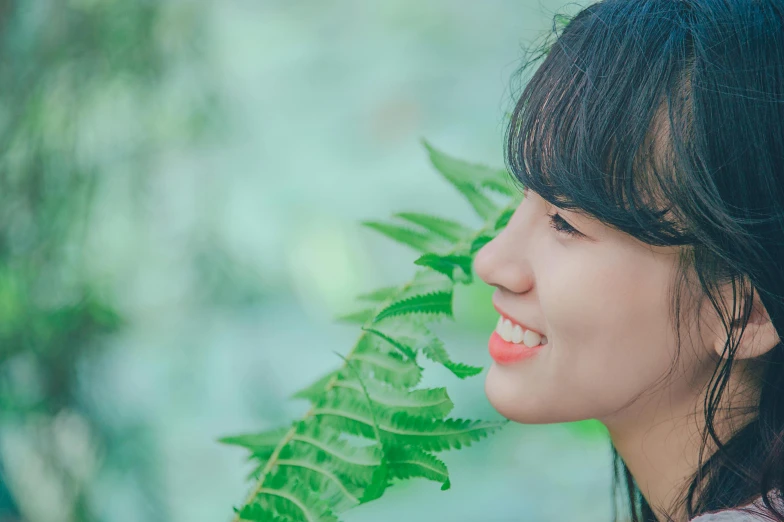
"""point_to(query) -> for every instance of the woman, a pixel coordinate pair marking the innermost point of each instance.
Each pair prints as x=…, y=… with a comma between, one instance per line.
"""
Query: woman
x=647, y=256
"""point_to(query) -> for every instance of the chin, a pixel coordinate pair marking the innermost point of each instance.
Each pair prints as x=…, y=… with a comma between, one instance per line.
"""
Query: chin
x=503, y=390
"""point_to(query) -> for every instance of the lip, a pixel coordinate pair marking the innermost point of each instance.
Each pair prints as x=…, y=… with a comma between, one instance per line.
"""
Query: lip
x=504, y=352
x=515, y=321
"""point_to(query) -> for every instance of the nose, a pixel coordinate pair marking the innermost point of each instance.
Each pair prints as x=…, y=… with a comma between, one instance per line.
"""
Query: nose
x=504, y=261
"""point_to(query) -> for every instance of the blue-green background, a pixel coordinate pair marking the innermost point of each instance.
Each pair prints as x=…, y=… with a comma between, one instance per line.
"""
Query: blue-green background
x=183, y=183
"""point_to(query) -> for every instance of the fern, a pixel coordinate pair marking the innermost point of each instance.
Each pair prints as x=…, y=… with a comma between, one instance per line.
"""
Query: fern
x=368, y=425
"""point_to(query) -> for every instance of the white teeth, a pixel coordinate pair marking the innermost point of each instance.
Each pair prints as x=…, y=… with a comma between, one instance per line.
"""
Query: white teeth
x=514, y=333
x=517, y=334
x=506, y=330
x=531, y=339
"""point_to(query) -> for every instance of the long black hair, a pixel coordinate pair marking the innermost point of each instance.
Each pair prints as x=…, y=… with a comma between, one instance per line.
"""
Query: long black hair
x=664, y=119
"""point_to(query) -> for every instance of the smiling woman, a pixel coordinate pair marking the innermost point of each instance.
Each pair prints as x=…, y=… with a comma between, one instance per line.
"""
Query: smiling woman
x=647, y=247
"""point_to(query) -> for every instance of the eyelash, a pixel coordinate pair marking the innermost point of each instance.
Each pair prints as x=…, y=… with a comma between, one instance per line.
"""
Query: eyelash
x=559, y=224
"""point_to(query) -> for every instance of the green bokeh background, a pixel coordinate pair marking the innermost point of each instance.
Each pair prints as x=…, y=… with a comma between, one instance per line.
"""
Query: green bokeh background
x=181, y=186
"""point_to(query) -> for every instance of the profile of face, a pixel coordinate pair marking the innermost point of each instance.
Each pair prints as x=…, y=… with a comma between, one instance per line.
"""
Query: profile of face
x=602, y=298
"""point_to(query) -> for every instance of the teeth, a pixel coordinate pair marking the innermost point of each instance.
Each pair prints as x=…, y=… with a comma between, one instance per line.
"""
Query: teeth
x=514, y=333
x=531, y=339
x=506, y=330
x=517, y=334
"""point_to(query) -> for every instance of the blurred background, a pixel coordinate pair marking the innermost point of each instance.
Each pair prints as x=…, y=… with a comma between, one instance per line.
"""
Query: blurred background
x=181, y=186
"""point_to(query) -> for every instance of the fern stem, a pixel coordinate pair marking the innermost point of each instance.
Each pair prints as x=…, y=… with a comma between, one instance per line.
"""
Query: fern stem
x=489, y=226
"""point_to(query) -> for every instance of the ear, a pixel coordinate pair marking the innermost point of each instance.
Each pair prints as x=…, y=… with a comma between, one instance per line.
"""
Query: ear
x=759, y=336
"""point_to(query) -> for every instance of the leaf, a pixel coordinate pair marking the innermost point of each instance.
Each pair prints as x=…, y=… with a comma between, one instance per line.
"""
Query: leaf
x=431, y=402
x=317, y=388
x=417, y=240
x=262, y=445
x=502, y=187
x=414, y=336
x=436, y=352
x=503, y=220
x=385, y=365
x=322, y=469
x=451, y=230
x=401, y=428
x=438, y=303
x=410, y=461
x=436, y=434
x=463, y=171
x=256, y=512
x=404, y=349
x=378, y=484
x=292, y=500
x=483, y=205
x=479, y=242
x=466, y=178
x=360, y=317
x=382, y=294
x=455, y=267
x=349, y=459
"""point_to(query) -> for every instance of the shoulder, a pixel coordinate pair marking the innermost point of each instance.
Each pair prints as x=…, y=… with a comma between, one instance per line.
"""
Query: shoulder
x=753, y=512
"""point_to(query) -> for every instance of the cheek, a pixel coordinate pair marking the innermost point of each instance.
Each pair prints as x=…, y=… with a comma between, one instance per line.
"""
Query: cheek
x=611, y=339
x=614, y=332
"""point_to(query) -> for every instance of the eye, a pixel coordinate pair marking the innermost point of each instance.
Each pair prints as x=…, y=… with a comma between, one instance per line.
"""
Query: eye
x=559, y=224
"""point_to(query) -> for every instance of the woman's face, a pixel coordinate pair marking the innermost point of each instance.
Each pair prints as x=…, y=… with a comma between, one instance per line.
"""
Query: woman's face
x=602, y=301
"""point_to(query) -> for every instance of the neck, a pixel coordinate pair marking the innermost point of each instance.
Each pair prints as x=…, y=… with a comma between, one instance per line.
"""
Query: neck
x=659, y=439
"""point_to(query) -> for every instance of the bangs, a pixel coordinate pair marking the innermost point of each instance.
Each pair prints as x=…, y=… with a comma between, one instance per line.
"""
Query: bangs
x=603, y=125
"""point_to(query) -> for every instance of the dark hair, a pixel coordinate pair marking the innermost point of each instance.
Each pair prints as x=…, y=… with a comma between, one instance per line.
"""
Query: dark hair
x=664, y=119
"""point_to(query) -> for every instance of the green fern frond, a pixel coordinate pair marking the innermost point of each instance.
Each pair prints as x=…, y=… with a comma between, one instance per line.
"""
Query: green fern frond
x=502, y=221
x=436, y=352
x=404, y=348
x=385, y=364
x=468, y=178
x=292, y=500
x=479, y=242
x=435, y=303
x=381, y=294
x=437, y=434
x=431, y=402
x=505, y=187
x=464, y=171
x=455, y=267
x=419, y=241
x=446, y=228
x=318, y=467
x=347, y=414
x=314, y=390
x=256, y=512
x=261, y=445
x=409, y=462
x=413, y=337
x=328, y=441
x=360, y=317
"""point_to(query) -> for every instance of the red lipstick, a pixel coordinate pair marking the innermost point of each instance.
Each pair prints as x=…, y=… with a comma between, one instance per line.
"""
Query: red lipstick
x=504, y=352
